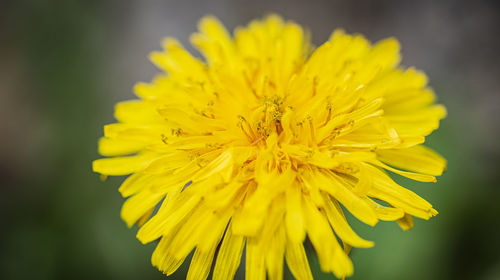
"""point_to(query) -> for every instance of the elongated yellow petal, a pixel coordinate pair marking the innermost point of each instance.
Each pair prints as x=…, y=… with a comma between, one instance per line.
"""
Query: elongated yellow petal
x=222, y=165
x=176, y=60
x=144, y=218
x=255, y=267
x=224, y=196
x=135, y=111
x=203, y=228
x=133, y=184
x=335, y=186
x=113, y=147
x=164, y=260
x=385, y=213
x=418, y=159
x=250, y=219
x=229, y=256
x=408, y=100
x=294, y=220
x=406, y=222
x=139, y=181
x=150, y=133
x=341, y=227
x=364, y=183
x=213, y=229
x=386, y=189
x=411, y=175
x=170, y=215
x=121, y=165
x=331, y=255
x=297, y=261
x=213, y=40
x=189, y=233
x=201, y=264
x=275, y=254
x=137, y=205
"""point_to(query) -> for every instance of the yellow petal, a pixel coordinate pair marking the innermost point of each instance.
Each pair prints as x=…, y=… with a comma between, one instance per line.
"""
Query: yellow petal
x=385, y=213
x=408, y=100
x=331, y=256
x=337, y=188
x=139, y=181
x=222, y=165
x=121, y=165
x=411, y=175
x=213, y=40
x=133, y=184
x=220, y=198
x=173, y=211
x=297, y=261
x=176, y=60
x=270, y=185
x=164, y=260
x=189, y=233
x=293, y=219
x=113, y=147
x=168, y=163
x=229, y=256
x=137, y=111
x=275, y=254
x=364, y=183
x=137, y=205
x=148, y=134
x=255, y=269
x=385, y=54
x=145, y=217
x=213, y=229
x=417, y=123
x=341, y=227
x=406, y=222
x=201, y=263
x=418, y=159
x=384, y=188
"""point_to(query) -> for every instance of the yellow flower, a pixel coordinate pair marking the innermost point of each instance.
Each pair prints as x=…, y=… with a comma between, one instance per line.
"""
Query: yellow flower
x=258, y=145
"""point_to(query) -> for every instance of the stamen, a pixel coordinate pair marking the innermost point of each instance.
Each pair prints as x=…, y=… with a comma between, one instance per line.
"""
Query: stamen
x=249, y=134
x=329, y=107
x=315, y=84
x=164, y=138
x=176, y=131
x=311, y=128
x=257, y=140
x=250, y=84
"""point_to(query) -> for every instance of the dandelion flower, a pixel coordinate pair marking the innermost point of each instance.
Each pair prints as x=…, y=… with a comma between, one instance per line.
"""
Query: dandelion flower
x=265, y=142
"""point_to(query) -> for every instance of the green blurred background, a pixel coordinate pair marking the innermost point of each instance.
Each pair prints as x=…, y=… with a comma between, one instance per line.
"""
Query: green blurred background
x=65, y=63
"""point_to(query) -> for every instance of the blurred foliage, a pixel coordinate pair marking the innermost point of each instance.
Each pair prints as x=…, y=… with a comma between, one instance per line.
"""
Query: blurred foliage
x=62, y=222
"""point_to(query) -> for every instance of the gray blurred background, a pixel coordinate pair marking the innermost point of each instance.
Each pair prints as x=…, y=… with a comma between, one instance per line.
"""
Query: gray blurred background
x=63, y=64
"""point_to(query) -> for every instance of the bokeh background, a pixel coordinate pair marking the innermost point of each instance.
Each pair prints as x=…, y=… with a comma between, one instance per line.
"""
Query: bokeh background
x=63, y=64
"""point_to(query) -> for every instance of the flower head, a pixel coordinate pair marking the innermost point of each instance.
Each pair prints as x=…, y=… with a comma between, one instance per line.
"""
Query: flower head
x=261, y=143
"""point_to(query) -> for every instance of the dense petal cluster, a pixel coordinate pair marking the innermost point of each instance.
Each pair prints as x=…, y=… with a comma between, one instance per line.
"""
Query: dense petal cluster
x=264, y=143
